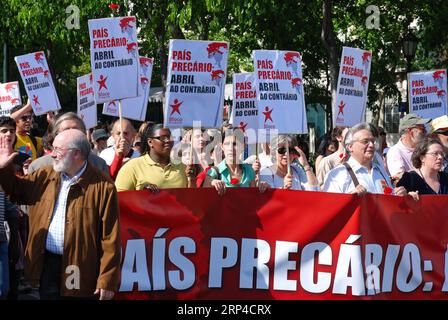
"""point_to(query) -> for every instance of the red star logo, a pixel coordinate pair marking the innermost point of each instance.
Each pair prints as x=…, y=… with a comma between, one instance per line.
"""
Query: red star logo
x=102, y=82
x=267, y=114
x=175, y=105
x=243, y=126
x=36, y=100
x=341, y=108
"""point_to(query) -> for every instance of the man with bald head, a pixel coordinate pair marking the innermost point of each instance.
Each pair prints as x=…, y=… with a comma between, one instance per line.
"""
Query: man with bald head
x=117, y=155
x=74, y=243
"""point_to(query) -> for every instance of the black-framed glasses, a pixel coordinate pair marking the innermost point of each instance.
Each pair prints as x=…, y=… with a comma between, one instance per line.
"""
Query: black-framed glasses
x=282, y=150
x=445, y=133
x=6, y=130
x=26, y=118
x=162, y=138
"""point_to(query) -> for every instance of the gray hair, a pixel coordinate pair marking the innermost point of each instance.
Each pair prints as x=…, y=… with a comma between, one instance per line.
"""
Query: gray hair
x=351, y=132
x=282, y=139
x=82, y=144
x=67, y=116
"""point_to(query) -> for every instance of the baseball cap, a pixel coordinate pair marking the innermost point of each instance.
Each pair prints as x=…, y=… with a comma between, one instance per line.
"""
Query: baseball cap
x=99, y=134
x=411, y=120
x=439, y=124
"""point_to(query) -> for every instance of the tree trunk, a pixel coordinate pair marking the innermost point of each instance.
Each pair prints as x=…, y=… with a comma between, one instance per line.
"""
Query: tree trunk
x=329, y=41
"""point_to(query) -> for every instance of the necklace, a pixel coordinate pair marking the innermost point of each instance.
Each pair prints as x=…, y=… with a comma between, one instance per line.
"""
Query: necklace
x=438, y=179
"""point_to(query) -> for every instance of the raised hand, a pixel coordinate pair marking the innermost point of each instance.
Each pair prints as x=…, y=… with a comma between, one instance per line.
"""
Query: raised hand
x=6, y=152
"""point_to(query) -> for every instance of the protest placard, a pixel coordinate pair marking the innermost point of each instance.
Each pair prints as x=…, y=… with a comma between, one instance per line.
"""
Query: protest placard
x=353, y=82
x=39, y=86
x=244, y=110
x=114, y=58
x=427, y=93
x=86, y=100
x=134, y=108
x=280, y=93
x=9, y=97
x=195, y=83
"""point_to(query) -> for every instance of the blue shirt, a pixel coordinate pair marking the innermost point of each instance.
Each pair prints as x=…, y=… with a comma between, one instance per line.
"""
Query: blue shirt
x=55, y=237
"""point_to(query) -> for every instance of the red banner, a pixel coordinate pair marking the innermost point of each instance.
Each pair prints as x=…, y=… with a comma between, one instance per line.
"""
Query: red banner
x=194, y=244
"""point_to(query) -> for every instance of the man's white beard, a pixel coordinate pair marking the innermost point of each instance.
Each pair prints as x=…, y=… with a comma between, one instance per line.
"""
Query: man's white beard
x=62, y=165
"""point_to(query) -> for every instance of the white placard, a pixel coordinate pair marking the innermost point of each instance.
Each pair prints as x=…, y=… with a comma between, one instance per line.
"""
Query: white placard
x=86, y=101
x=9, y=97
x=427, y=93
x=195, y=83
x=280, y=93
x=244, y=110
x=114, y=58
x=134, y=108
x=39, y=86
x=353, y=82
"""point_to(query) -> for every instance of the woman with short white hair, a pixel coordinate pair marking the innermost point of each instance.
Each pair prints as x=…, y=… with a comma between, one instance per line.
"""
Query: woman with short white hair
x=300, y=177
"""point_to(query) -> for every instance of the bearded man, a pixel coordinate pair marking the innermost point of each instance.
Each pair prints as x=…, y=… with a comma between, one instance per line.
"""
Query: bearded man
x=74, y=242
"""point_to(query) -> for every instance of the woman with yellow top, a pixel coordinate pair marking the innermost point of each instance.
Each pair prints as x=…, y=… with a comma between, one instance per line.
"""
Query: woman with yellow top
x=154, y=170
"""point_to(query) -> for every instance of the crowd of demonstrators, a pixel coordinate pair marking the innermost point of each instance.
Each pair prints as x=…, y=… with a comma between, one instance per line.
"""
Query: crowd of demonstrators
x=72, y=167
x=154, y=170
x=62, y=122
x=299, y=177
x=123, y=134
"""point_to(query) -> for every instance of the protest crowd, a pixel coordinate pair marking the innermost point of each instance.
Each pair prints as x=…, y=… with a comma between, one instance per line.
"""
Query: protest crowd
x=59, y=199
x=62, y=178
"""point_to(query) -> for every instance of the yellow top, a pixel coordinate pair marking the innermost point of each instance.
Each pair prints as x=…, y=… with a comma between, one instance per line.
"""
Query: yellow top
x=24, y=144
x=137, y=172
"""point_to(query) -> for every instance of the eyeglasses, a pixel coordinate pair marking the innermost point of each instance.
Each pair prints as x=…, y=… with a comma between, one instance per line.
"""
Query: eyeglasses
x=163, y=138
x=445, y=133
x=282, y=150
x=367, y=141
x=436, y=154
x=26, y=118
x=137, y=144
x=5, y=131
x=60, y=151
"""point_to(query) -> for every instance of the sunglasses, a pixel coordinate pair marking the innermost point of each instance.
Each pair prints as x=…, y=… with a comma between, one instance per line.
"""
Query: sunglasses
x=445, y=133
x=282, y=150
x=26, y=118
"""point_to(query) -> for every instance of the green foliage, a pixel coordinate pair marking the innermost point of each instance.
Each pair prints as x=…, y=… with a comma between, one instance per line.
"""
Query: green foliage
x=31, y=25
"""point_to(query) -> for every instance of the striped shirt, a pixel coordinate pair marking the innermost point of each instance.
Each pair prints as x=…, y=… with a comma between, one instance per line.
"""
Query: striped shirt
x=55, y=237
x=2, y=218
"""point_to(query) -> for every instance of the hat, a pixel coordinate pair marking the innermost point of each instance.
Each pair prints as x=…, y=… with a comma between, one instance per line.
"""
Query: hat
x=439, y=124
x=99, y=134
x=411, y=120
